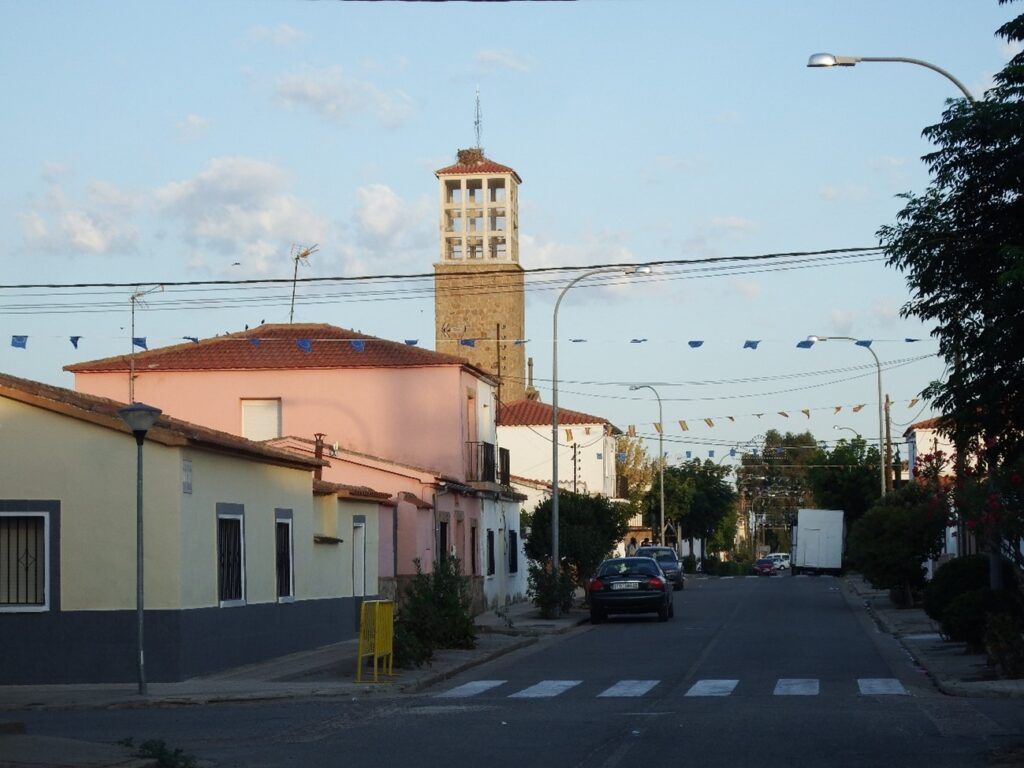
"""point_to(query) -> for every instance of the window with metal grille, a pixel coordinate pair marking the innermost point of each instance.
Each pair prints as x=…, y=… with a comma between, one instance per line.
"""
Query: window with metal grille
x=23, y=566
x=513, y=551
x=474, y=545
x=490, y=552
x=284, y=560
x=442, y=539
x=230, y=559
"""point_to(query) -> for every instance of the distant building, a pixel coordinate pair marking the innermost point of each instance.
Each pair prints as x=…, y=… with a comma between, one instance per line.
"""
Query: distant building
x=479, y=309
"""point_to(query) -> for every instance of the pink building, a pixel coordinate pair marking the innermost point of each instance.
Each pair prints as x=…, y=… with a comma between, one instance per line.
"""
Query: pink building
x=396, y=417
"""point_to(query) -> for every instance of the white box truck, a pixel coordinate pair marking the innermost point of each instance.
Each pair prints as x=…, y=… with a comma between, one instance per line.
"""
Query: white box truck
x=818, y=541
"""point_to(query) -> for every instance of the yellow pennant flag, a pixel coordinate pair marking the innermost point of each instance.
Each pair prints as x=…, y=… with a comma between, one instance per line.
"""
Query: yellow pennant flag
x=657, y=427
x=586, y=430
x=731, y=418
x=783, y=413
x=806, y=412
x=837, y=409
x=682, y=426
x=631, y=430
x=913, y=402
x=709, y=422
x=857, y=408
x=568, y=435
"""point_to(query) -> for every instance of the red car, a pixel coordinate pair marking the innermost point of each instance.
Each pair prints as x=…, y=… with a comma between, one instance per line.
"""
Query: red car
x=764, y=567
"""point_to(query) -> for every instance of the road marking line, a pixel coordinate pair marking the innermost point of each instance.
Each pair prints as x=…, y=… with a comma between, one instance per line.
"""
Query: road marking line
x=470, y=689
x=546, y=689
x=728, y=577
x=712, y=688
x=881, y=686
x=625, y=688
x=796, y=687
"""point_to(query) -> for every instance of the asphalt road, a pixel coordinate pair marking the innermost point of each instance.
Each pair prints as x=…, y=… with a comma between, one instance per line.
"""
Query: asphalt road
x=768, y=671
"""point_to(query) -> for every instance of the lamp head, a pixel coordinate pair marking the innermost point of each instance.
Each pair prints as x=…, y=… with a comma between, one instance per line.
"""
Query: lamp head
x=139, y=417
x=816, y=339
x=828, y=60
x=641, y=269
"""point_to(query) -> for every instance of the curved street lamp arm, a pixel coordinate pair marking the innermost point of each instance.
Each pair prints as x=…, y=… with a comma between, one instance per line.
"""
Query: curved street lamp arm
x=922, y=63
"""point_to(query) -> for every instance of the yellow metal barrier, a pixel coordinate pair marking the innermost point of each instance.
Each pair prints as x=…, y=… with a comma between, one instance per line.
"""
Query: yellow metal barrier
x=376, y=637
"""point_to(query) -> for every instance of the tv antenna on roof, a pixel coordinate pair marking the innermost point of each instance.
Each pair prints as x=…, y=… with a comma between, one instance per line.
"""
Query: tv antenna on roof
x=298, y=254
x=137, y=299
x=479, y=118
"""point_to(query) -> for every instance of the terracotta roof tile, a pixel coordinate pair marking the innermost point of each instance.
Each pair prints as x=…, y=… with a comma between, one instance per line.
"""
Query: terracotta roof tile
x=276, y=347
x=167, y=430
x=521, y=413
x=473, y=161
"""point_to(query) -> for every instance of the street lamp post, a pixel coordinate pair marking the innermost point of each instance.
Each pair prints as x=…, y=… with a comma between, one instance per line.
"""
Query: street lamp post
x=661, y=459
x=881, y=404
x=828, y=60
x=624, y=270
x=848, y=429
x=140, y=418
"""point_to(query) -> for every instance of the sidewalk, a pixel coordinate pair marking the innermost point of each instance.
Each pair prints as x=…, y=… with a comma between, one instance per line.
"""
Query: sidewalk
x=329, y=671
x=953, y=670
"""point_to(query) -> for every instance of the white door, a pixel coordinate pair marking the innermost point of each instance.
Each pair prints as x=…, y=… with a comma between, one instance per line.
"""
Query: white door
x=358, y=560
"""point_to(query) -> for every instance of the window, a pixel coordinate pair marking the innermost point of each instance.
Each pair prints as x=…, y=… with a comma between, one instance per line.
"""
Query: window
x=513, y=551
x=453, y=191
x=474, y=543
x=442, y=539
x=261, y=419
x=24, y=561
x=496, y=190
x=475, y=191
x=284, y=557
x=230, y=555
x=490, y=552
x=186, y=475
x=454, y=249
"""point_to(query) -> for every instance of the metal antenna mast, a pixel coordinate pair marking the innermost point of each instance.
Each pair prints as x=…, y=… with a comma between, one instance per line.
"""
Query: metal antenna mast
x=298, y=254
x=136, y=299
x=479, y=118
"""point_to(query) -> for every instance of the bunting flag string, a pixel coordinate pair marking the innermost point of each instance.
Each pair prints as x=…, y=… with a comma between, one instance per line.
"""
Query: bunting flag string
x=358, y=345
x=467, y=342
x=21, y=342
x=709, y=422
x=304, y=344
x=657, y=427
x=568, y=435
x=695, y=344
x=806, y=412
x=74, y=341
x=683, y=426
x=139, y=341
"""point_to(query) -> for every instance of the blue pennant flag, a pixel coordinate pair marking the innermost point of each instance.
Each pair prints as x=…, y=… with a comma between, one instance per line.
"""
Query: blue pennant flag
x=637, y=341
x=254, y=341
x=357, y=344
x=412, y=342
x=711, y=454
x=695, y=344
x=620, y=457
x=805, y=344
x=576, y=341
x=139, y=341
x=19, y=341
x=687, y=454
x=517, y=342
x=751, y=343
x=304, y=344
x=863, y=342
x=74, y=341
x=193, y=339
x=467, y=342
x=911, y=341
x=732, y=451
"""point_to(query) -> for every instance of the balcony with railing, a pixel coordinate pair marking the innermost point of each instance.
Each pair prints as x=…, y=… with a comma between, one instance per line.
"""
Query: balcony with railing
x=486, y=463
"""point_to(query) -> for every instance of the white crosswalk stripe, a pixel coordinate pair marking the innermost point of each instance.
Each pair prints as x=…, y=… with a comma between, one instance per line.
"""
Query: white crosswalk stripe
x=712, y=688
x=796, y=687
x=881, y=686
x=546, y=689
x=471, y=689
x=625, y=688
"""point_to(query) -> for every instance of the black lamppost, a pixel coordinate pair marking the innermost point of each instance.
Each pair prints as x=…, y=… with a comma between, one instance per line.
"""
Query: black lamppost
x=140, y=418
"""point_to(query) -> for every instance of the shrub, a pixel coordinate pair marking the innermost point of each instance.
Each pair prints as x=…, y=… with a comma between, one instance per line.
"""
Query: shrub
x=712, y=566
x=689, y=564
x=1004, y=644
x=435, y=613
x=965, y=618
x=551, y=595
x=952, y=579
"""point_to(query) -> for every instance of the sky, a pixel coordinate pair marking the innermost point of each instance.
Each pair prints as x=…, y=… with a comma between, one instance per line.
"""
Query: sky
x=160, y=142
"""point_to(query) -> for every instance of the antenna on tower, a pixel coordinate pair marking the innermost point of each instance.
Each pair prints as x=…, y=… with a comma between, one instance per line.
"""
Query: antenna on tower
x=298, y=255
x=479, y=118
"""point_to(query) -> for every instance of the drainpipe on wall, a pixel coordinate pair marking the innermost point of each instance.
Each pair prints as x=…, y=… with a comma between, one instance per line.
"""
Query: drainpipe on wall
x=318, y=452
x=441, y=490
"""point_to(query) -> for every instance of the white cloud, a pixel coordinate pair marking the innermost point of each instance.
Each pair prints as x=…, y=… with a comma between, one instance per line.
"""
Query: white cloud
x=735, y=225
x=242, y=208
x=748, y=289
x=831, y=193
x=333, y=95
x=280, y=36
x=886, y=311
x=842, y=321
x=501, y=59
x=192, y=127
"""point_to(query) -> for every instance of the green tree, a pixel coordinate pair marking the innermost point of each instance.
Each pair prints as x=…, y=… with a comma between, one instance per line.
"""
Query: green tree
x=635, y=470
x=589, y=527
x=698, y=497
x=961, y=246
x=846, y=478
x=890, y=543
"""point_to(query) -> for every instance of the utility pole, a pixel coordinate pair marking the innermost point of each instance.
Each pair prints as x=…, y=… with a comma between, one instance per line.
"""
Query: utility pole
x=575, y=466
x=888, y=447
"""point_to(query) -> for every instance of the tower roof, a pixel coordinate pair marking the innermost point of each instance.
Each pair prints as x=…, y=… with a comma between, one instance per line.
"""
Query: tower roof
x=474, y=161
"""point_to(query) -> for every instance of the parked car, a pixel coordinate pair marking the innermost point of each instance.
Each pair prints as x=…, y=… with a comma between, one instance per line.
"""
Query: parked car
x=669, y=562
x=781, y=560
x=764, y=567
x=629, y=585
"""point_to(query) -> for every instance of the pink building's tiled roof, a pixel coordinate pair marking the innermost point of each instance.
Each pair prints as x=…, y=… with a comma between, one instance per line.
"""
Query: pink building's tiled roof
x=279, y=347
x=523, y=413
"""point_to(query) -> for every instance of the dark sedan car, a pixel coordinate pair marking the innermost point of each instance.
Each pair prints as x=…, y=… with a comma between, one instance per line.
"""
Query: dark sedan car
x=764, y=567
x=669, y=562
x=629, y=585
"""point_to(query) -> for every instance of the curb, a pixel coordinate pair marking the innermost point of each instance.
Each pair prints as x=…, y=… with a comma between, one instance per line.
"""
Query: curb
x=432, y=679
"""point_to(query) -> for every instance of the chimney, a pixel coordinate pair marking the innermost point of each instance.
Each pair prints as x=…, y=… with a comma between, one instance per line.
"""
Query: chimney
x=318, y=452
x=531, y=391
